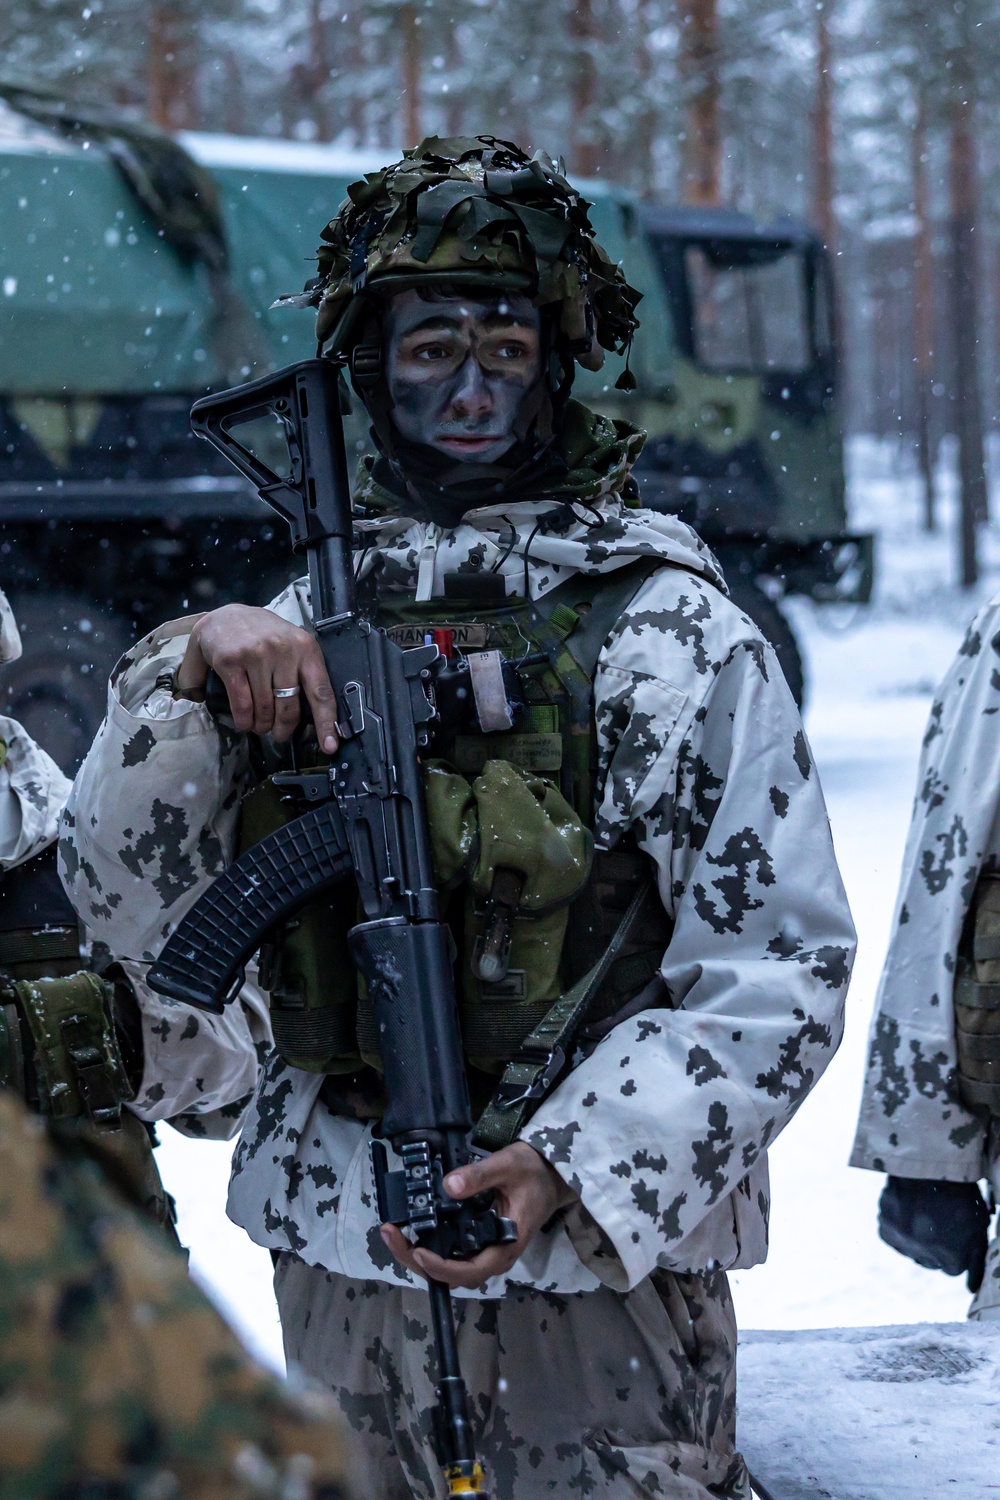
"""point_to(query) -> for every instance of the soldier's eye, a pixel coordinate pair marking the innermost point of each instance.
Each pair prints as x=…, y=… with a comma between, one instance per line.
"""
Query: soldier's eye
x=430, y=352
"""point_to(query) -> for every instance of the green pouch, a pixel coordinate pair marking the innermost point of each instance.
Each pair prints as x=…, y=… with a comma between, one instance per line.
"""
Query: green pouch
x=306, y=967
x=79, y=1063
x=532, y=858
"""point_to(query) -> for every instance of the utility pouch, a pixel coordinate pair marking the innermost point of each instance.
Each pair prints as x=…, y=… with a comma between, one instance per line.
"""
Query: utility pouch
x=78, y=1065
x=524, y=855
x=977, y=1002
x=305, y=965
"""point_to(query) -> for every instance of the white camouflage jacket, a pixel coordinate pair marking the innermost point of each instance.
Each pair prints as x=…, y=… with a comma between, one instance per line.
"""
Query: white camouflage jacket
x=33, y=794
x=912, y=1122
x=663, y=1130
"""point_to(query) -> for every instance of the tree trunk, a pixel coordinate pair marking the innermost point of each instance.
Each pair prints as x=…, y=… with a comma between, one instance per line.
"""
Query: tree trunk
x=823, y=183
x=645, y=131
x=319, y=69
x=584, y=149
x=923, y=313
x=169, y=82
x=700, y=68
x=965, y=322
x=412, y=130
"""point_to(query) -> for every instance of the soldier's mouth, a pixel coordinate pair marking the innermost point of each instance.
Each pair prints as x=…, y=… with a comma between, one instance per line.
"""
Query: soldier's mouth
x=470, y=444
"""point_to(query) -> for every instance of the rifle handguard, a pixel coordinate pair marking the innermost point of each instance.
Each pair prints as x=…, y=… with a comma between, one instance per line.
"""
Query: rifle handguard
x=202, y=962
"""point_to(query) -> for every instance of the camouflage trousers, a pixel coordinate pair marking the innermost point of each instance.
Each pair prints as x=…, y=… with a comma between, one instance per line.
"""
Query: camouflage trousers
x=985, y=1305
x=603, y=1394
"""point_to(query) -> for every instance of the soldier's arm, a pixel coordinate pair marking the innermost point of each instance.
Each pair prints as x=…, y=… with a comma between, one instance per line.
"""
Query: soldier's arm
x=150, y=822
x=912, y=1121
x=712, y=773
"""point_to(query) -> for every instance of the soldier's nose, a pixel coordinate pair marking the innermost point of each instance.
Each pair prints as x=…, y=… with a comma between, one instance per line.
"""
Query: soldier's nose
x=471, y=394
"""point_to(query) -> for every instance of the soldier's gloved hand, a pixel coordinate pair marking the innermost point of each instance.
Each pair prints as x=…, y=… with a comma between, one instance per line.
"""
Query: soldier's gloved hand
x=943, y=1226
x=256, y=652
x=527, y=1190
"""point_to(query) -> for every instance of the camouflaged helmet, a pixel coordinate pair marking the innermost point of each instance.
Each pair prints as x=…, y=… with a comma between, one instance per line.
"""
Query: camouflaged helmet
x=472, y=211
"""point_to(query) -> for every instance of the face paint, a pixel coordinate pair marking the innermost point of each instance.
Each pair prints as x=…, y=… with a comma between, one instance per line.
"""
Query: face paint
x=458, y=371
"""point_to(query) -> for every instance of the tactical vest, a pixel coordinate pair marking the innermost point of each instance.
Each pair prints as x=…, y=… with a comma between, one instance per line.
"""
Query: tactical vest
x=977, y=1001
x=71, y=1038
x=505, y=802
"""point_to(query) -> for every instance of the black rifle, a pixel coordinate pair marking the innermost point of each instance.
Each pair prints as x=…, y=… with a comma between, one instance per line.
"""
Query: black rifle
x=366, y=817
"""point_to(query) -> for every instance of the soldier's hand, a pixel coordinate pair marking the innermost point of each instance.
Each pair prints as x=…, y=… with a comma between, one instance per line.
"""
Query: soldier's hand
x=254, y=652
x=527, y=1189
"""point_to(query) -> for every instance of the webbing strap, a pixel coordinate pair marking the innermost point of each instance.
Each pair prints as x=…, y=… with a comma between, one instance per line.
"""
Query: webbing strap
x=608, y=594
x=544, y=1054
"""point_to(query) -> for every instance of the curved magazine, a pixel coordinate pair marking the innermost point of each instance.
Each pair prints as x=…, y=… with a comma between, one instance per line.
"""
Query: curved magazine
x=202, y=962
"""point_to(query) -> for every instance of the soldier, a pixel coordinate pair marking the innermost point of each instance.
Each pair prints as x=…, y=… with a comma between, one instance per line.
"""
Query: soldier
x=604, y=693
x=930, y=1112
x=77, y=1045
x=117, y=1376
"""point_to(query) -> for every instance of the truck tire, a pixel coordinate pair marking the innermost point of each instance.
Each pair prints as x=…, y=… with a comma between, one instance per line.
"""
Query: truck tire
x=58, y=688
x=773, y=626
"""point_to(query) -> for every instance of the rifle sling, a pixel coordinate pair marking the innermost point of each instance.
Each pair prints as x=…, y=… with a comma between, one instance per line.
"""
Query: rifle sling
x=544, y=1054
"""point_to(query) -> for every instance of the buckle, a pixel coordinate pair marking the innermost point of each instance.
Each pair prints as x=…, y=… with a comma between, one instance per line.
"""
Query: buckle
x=547, y=1066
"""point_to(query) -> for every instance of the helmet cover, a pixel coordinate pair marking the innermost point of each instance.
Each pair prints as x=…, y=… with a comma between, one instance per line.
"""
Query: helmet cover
x=472, y=211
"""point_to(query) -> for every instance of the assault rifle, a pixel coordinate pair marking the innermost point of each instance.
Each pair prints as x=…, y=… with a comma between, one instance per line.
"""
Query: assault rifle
x=365, y=817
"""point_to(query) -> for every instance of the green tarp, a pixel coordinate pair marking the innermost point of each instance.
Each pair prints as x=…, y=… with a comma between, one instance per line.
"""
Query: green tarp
x=93, y=301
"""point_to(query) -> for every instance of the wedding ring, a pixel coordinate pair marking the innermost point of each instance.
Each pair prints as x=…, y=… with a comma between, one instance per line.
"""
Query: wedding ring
x=292, y=692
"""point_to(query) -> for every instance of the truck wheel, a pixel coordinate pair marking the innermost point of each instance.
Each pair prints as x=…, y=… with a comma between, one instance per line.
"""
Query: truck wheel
x=58, y=688
x=770, y=621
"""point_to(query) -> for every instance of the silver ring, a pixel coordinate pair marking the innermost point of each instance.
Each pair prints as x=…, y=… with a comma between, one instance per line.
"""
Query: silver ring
x=287, y=692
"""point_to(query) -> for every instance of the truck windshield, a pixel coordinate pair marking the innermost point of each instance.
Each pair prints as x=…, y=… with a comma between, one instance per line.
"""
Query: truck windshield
x=740, y=306
x=748, y=317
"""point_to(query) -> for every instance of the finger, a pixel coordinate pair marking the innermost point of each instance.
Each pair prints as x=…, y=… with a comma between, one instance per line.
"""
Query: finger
x=319, y=690
x=261, y=685
x=286, y=713
x=193, y=670
x=237, y=686
x=489, y=1172
x=495, y=1261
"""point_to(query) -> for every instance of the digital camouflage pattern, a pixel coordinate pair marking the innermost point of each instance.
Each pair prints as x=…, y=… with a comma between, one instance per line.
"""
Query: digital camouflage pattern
x=665, y=1350
x=117, y=1377
x=473, y=209
x=200, y=1070
x=663, y=1130
x=912, y=1121
x=33, y=791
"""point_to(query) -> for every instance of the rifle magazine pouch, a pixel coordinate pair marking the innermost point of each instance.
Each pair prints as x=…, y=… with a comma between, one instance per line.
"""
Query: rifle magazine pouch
x=977, y=1003
x=78, y=1060
x=533, y=858
x=305, y=965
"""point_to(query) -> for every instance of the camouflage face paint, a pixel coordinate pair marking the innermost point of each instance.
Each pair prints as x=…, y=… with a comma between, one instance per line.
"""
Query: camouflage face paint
x=459, y=370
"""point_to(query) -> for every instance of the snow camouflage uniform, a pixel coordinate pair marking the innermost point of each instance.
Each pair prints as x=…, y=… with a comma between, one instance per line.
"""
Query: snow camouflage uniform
x=662, y=1129
x=914, y=1121
x=46, y=987
x=117, y=1376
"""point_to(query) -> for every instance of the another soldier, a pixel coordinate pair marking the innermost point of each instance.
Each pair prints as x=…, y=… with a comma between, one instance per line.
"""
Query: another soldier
x=117, y=1376
x=79, y=1046
x=930, y=1113
x=603, y=693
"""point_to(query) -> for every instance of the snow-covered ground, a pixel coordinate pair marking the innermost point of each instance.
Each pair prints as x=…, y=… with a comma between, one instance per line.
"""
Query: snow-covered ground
x=871, y=676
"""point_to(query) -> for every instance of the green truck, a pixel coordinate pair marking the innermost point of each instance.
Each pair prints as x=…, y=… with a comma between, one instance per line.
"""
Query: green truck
x=113, y=517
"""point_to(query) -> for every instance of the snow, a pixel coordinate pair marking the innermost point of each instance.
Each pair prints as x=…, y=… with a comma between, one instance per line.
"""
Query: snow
x=269, y=154
x=871, y=674
x=905, y=1411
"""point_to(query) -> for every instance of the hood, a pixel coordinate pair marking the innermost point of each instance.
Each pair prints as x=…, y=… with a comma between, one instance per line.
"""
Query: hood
x=587, y=521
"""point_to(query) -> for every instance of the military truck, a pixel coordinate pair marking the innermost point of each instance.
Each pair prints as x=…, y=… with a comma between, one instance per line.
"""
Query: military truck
x=112, y=515
x=136, y=273
x=736, y=368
